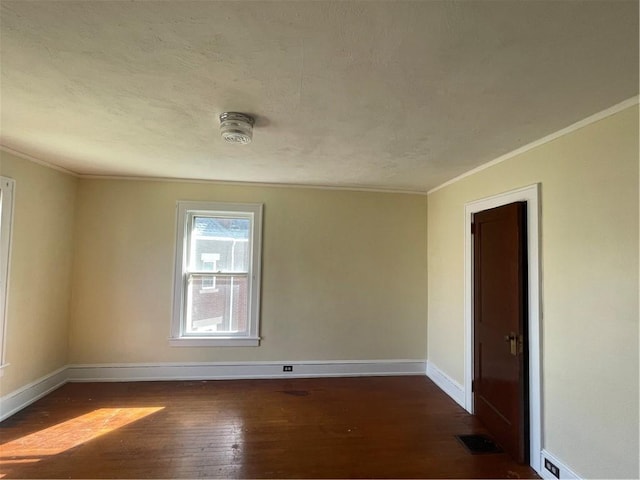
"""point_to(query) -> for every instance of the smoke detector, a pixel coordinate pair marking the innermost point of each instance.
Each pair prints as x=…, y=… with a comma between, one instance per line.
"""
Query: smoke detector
x=236, y=127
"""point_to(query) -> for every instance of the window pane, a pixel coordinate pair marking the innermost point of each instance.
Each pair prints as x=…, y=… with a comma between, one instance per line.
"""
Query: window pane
x=220, y=244
x=217, y=304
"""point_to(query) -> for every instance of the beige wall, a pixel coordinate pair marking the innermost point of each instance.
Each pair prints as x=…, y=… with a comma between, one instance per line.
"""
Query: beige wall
x=40, y=273
x=344, y=273
x=345, y=276
x=589, y=251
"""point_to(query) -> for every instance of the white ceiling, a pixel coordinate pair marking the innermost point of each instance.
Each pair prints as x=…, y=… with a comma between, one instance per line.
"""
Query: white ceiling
x=392, y=94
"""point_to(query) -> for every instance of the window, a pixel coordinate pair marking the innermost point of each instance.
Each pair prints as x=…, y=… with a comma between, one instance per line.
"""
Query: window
x=6, y=214
x=217, y=277
x=209, y=264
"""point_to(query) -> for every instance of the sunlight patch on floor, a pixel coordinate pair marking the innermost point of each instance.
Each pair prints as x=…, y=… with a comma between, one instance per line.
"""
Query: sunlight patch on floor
x=74, y=432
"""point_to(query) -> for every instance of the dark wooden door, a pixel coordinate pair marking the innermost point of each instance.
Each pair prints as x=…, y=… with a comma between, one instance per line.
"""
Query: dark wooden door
x=500, y=326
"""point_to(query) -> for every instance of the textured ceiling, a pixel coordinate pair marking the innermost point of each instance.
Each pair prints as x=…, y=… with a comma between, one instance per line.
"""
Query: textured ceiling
x=396, y=95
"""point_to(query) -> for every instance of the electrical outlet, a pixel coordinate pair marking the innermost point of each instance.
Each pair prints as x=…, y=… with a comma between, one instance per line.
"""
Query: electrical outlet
x=552, y=468
x=287, y=368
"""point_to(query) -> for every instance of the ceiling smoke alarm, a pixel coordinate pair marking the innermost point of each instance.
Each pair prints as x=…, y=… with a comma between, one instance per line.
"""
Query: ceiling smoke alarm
x=236, y=127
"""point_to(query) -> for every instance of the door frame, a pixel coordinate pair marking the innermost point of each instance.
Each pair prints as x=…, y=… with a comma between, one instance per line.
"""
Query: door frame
x=530, y=195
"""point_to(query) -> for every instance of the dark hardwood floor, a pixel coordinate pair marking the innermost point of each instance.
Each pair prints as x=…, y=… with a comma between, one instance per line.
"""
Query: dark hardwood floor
x=373, y=427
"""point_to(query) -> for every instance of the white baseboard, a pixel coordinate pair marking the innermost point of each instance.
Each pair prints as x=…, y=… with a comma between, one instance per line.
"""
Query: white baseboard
x=446, y=383
x=135, y=372
x=456, y=392
x=565, y=472
x=18, y=399
x=240, y=370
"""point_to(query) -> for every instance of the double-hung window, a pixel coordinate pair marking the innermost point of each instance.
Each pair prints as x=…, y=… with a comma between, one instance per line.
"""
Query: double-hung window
x=217, y=275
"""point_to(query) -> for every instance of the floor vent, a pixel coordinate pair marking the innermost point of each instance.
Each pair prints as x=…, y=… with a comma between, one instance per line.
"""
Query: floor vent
x=479, y=444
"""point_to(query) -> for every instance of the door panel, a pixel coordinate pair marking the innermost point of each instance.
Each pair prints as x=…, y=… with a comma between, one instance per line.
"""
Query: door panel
x=500, y=326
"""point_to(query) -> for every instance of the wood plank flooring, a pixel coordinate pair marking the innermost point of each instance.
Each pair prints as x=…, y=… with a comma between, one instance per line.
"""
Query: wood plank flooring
x=369, y=427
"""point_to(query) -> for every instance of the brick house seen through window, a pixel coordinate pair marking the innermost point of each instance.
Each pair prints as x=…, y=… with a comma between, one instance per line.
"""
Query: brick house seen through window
x=219, y=303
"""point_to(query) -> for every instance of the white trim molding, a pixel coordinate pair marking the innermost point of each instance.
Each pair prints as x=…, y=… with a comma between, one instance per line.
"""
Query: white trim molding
x=447, y=384
x=186, y=270
x=134, y=372
x=530, y=195
x=565, y=472
x=21, y=398
x=630, y=102
x=38, y=161
x=231, y=183
x=234, y=183
x=7, y=194
x=139, y=372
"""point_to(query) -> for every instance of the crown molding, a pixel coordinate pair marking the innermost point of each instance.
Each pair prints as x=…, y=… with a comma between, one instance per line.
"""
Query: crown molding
x=231, y=183
x=374, y=189
x=348, y=188
x=619, y=107
x=43, y=163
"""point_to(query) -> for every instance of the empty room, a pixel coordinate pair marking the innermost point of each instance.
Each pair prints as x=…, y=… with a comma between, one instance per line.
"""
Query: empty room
x=319, y=239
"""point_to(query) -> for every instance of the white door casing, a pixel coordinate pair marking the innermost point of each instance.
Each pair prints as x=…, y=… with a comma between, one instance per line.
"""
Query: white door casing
x=530, y=195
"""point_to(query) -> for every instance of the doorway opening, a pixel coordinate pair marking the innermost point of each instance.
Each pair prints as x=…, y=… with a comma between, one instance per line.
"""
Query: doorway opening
x=530, y=196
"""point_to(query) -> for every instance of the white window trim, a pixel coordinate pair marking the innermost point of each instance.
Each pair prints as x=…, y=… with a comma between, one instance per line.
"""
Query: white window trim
x=7, y=186
x=251, y=339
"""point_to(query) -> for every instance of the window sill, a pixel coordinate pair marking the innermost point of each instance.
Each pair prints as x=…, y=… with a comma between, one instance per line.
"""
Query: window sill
x=215, y=342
